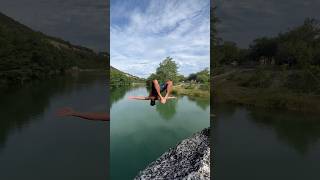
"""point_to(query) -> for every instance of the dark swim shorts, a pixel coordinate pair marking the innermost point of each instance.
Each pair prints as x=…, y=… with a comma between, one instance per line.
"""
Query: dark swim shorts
x=163, y=87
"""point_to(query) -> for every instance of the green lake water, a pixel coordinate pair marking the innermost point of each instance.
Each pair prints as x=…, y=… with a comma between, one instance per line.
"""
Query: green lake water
x=252, y=143
x=36, y=144
x=140, y=133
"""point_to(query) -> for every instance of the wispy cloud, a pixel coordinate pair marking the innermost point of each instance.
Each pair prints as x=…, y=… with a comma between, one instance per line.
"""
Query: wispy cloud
x=145, y=33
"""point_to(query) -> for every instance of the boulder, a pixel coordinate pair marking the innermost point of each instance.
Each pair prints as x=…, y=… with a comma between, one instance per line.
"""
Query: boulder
x=190, y=159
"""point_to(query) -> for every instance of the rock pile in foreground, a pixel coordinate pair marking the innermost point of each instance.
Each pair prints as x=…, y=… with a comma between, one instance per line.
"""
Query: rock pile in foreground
x=190, y=159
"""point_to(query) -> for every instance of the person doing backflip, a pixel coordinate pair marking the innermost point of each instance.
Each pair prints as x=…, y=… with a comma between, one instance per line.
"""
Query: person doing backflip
x=155, y=93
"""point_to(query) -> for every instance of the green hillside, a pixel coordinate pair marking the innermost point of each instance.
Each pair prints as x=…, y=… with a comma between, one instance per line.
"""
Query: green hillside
x=120, y=78
x=27, y=55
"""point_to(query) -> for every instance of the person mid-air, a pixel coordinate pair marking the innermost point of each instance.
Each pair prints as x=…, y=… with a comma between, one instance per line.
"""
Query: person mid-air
x=155, y=93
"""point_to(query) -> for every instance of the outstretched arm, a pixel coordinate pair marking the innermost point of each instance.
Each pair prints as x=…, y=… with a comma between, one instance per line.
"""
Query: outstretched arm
x=139, y=97
x=147, y=98
x=84, y=115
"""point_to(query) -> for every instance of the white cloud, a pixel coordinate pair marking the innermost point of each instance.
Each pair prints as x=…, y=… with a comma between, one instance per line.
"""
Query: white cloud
x=179, y=29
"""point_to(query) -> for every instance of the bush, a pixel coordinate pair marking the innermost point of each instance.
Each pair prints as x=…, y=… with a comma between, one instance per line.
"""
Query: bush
x=303, y=82
x=260, y=79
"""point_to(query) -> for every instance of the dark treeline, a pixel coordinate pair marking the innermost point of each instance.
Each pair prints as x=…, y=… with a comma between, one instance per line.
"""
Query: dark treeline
x=291, y=58
x=167, y=70
x=26, y=55
x=273, y=72
x=296, y=48
x=201, y=76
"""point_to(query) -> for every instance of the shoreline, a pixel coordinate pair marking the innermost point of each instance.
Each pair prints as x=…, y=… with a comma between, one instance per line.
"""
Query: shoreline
x=76, y=69
x=229, y=90
x=195, y=92
x=52, y=74
x=177, y=90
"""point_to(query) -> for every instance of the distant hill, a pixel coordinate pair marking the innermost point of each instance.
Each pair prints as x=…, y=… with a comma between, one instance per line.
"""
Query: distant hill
x=127, y=74
x=120, y=78
x=26, y=55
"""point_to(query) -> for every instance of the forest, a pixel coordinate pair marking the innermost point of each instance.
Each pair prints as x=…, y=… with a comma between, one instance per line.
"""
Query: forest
x=27, y=55
x=119, y=78
x=297, y=48
x=275, y=72
x=168, y=70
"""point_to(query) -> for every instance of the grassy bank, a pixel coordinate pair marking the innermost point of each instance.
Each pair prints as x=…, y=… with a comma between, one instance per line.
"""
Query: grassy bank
x=268, y=88
x=194, y=90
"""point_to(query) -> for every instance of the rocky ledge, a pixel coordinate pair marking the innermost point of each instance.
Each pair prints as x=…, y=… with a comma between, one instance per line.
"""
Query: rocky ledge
x=190, y=159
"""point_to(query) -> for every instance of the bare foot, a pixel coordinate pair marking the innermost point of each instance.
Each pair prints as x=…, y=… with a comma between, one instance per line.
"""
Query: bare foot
x=65, y=111
x=163, y=100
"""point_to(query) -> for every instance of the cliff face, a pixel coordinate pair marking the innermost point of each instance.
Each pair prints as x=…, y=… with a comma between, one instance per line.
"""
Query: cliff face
x=190, y=159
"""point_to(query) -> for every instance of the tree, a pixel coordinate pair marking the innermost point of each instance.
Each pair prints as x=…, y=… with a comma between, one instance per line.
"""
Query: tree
x=263, y=47
x=299, y=45
x=192, y=77
x=167, y=70
x=118, y=78
x=227, y=53
x=180, y=78
x=203, y=76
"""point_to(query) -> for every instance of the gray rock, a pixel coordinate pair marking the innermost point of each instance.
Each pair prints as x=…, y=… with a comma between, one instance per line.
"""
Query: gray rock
x=190, y=159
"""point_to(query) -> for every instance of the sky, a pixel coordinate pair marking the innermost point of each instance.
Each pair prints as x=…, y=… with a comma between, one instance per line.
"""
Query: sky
x=81, y=22
x=143, y=33
x=245, y=20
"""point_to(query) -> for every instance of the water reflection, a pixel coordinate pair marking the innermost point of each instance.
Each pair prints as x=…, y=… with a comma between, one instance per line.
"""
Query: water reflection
x=203, y=103
x=117, y=93
x=25, y=105
x=168, y=110
x=300, y=131
x=18, y=107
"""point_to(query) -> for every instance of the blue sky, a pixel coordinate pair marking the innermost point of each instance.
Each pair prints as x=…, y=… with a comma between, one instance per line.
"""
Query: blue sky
x=144, y=32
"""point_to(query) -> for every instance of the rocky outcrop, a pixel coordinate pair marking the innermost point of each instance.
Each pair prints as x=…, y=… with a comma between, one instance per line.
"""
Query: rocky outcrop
x=190, y=159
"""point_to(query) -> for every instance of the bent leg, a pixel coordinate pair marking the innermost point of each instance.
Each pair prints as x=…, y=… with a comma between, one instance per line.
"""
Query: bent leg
x=157, y=87
x=169, y=89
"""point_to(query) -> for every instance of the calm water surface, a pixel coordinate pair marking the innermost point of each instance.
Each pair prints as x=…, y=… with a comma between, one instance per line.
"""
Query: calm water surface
x=251, y=143
x=35, y=144
x=140, y=133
